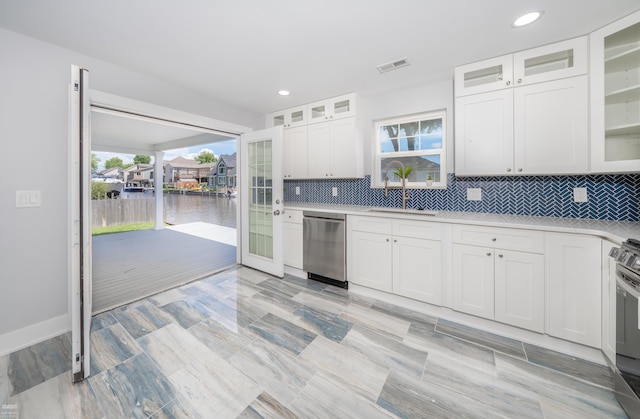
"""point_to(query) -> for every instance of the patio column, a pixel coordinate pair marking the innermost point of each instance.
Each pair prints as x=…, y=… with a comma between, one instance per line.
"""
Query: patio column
x=158, y=180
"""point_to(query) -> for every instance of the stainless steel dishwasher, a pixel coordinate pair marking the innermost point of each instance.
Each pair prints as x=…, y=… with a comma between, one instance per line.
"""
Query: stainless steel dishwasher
x=323, y=248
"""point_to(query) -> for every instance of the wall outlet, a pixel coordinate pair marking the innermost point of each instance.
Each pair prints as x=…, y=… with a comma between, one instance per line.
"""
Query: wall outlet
x=334, y=191
x=474, y=194
x=297, y=190
x=580, y=195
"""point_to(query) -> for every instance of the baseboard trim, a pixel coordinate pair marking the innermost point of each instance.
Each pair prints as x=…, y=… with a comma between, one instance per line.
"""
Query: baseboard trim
x=27, y=336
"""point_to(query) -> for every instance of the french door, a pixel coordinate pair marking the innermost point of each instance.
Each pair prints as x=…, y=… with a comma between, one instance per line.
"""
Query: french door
x=261, y=194
x=80, y=221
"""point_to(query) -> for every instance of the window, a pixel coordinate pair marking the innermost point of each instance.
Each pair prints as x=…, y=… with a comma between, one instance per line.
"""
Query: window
x=222, y=169
x=222, y=180
x=416, y=141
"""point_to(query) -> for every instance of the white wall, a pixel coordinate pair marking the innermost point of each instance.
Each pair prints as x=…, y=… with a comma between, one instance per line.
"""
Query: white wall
x=34, y=78
x=409, y=101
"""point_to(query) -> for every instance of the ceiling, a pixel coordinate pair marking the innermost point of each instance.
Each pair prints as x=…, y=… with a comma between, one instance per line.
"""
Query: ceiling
x=243, y=51
x=128, y=134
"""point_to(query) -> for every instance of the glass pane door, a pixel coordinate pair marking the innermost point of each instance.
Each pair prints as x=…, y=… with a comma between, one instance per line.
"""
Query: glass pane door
x=261, y=200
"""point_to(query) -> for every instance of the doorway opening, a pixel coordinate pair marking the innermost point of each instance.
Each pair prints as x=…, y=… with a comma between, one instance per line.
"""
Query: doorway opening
x=197, y=234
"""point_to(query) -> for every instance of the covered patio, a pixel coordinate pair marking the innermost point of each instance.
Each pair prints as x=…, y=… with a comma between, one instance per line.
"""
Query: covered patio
x=130, y=266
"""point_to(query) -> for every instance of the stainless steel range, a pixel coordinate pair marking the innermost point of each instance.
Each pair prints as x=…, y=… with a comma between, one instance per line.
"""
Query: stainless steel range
x=627, y=382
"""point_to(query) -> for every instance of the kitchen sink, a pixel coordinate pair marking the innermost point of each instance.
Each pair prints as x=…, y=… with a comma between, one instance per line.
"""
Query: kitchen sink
x=404, y=211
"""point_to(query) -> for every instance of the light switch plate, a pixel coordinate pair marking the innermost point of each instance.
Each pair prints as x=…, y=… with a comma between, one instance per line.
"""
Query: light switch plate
x=297, y=190
x=334, y=191
x=580, y=195
x=28, y=199
x=474, y=194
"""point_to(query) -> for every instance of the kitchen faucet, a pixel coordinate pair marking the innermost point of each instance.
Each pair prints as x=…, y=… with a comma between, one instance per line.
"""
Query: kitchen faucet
x=405, y=194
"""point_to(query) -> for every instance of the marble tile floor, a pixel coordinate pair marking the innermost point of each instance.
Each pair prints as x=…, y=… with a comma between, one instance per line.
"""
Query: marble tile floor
x=244, y=344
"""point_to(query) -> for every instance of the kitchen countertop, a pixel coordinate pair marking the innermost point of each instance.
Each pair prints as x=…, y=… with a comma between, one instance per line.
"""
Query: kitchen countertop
x=616, y=231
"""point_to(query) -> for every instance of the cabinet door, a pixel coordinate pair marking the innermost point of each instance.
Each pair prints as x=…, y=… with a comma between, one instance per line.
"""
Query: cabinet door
x=574, y=284
x=345, y=157
x=484, y=134
x=319, y=150
x=552, y=127
x=292, y=237
x=484, y=76
x=519, y=289
x=615, y=96
x=473, y=284
x=608, y=302
x=550, y=62
x=294, y=162
x=335, y=108
x=416, y=269
x=370, y=260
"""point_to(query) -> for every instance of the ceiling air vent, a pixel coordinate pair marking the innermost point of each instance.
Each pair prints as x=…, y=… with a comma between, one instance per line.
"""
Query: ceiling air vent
x=383, y=68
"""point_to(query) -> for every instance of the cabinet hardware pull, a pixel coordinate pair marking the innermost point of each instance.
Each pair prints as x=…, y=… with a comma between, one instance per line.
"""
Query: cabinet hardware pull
x=500, y=256
x=387, y=240
x=493, y=239
x=519, y=80
x=488, y=253
x=508, y=82
x=508, y=169
x=519, y=169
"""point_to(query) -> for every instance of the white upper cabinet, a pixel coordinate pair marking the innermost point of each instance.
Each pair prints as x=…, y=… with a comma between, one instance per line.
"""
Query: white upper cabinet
x=550, y=127
x=294, y=158
x=550, y=62
x=485, y=76
x=615, y=96
x=335, y=108
x=529, y=119
x=484, y=134
x=322, y=139
x=288, y=118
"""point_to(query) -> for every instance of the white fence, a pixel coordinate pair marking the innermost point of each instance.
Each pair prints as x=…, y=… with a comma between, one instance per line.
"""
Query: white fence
x=110, y=212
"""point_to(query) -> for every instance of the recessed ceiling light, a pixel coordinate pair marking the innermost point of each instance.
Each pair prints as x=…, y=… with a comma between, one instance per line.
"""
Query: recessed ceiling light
x=284, y=92
x=526, y=19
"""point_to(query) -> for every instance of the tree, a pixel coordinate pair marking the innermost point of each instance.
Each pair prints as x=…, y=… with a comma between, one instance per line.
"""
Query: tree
x=99, y=190
x=114, y=162
x=94, y=162
x=141, y=159
x=206, y=156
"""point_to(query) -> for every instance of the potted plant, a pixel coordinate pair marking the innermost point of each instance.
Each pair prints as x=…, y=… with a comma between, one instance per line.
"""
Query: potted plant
x=403, y=174
x=429, y=181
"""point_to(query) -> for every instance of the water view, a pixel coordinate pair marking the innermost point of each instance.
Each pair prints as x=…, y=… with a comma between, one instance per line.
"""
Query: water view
x=182, y=209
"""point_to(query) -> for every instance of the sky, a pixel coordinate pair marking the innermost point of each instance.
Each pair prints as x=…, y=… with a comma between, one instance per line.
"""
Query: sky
x=224, y=147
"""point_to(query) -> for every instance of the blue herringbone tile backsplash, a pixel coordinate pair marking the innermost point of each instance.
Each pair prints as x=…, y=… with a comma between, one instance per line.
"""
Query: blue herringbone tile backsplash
x=611, y=197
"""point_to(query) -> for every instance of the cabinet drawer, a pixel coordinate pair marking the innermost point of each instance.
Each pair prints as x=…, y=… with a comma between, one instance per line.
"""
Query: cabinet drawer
x=293, y=216
x=370, y=224
x=417, y=229
x=500, y=238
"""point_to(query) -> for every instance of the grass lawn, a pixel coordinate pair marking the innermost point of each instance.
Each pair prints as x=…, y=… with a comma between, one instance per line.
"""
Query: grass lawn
x=99, y=231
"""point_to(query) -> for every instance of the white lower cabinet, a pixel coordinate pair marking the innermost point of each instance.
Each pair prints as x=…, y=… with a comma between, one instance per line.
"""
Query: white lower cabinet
x=416, y=269
x=519, y=284
x=574, y=296
x=473, y=280
x=292, y=229
x=499, y=284
x=381, y=256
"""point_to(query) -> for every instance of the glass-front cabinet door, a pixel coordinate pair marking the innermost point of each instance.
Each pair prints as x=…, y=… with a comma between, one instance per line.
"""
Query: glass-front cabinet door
x=335, y=108
x=288, y=118
x=615, y=96
x=484, y=76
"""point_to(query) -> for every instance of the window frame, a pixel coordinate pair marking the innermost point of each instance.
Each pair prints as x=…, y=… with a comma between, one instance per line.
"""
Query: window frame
x=378, y=156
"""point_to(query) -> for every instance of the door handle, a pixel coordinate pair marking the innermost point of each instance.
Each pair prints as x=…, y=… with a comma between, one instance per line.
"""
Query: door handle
x=276, y=212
